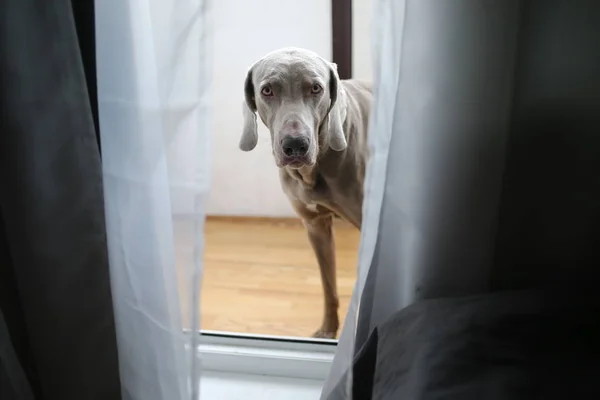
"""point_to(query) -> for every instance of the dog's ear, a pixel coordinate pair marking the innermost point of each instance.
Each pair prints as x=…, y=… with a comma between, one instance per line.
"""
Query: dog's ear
x=249, y=137
x=337, y=112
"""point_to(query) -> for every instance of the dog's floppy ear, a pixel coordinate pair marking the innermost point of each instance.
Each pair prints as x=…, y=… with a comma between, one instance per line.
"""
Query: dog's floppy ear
x=337, y=112
x=249, y=137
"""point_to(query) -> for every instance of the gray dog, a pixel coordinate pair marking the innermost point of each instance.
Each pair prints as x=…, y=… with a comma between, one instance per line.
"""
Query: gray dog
x=318, y=126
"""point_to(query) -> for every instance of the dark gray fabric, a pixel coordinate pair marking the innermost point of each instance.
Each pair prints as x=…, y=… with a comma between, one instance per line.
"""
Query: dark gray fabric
x=494, y=181
x=444, y=176
x=84, y=16
x=492, y=184
x=549, y=214
x=13, y=381
x=56, y=296
x=496, y=187
x=15, y=336
x=509, y=346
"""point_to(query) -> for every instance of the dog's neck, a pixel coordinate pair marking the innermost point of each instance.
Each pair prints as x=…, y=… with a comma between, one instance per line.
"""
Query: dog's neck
x=308, y=175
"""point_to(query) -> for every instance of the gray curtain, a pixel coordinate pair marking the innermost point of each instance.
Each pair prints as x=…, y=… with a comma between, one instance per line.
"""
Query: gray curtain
x=489, y=230
x=57, y=333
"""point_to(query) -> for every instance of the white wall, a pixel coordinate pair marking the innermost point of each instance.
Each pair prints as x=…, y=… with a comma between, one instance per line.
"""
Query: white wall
x=248, y=183
x=362, y=12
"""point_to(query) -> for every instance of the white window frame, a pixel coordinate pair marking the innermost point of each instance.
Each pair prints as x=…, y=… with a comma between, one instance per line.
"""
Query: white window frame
x=266, y=355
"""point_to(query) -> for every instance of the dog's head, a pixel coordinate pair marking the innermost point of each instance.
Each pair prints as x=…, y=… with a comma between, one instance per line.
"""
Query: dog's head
x=298, y=96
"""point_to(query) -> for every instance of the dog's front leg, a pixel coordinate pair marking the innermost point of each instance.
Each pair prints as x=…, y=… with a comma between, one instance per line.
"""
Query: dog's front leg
x=320, y=235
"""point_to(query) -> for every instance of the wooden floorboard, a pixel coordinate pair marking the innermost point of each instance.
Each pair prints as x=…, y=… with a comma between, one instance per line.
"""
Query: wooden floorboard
x=261, y=276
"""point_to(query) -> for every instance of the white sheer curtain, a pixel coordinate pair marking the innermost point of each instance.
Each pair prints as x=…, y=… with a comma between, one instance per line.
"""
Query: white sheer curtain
x=152, y=59
x=388, y=24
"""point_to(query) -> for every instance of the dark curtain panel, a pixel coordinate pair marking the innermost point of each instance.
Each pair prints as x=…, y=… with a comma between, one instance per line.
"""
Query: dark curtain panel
x=506, y=345
x=83, y=12
x=57, y=331
x=490, y=226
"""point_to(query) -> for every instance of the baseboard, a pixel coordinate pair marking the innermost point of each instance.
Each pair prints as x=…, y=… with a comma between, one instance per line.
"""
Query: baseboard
x=279, y=221
x=254, y=219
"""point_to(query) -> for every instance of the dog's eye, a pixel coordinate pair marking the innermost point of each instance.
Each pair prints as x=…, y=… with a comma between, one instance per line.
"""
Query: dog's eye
x=267, y=91
x=316, y=89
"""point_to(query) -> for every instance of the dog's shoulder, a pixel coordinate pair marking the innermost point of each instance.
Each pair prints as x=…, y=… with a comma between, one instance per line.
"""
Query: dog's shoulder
x=358, y=87
x=360, y=93
x=359, y=99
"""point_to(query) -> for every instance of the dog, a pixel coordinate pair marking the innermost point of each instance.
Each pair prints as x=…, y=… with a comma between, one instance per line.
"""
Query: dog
x=318, y=125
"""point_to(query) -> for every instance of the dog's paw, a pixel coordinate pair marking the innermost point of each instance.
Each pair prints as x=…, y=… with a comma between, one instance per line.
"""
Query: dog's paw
x=324, y=334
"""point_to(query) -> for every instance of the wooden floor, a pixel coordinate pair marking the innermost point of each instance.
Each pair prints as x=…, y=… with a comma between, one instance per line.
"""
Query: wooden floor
x=261, y=276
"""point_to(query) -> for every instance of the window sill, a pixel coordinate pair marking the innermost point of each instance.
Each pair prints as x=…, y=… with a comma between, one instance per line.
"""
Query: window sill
x=266, y=356
x=230, y=386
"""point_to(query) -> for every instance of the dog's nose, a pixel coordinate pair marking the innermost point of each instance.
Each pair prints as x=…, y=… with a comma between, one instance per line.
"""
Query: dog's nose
x=295, y=146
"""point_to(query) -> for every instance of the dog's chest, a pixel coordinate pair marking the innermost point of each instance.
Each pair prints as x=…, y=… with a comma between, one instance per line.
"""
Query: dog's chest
x=314, y=192
x=323, y=194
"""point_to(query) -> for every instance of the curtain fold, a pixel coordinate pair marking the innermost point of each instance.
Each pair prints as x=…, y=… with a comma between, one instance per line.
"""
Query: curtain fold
x=386, y=36
x=153, y=95
x=486, y=122
x=58, y=339
x=450, y=125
